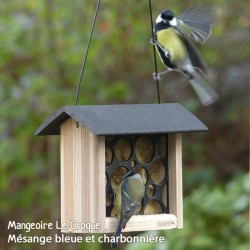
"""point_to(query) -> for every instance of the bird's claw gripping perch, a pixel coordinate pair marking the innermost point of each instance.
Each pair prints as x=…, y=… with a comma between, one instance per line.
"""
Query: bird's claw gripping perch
x=153, y=42
x=156, y=76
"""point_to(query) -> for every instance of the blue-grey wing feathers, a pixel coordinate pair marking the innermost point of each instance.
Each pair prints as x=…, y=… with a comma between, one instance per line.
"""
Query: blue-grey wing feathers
x=197, y=22
x=128, y=207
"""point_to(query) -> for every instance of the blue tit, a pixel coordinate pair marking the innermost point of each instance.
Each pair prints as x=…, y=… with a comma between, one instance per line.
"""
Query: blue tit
x=128, y=198
x=174, y=37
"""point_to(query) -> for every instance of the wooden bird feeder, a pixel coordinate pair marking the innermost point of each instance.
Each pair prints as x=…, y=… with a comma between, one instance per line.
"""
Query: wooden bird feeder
x=100, y=143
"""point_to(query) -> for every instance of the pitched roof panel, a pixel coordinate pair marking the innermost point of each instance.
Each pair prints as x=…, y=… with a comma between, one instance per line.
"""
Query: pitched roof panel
x=125, y=119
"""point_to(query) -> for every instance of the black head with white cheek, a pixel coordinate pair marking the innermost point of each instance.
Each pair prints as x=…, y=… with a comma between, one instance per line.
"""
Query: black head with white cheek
x=165, y=20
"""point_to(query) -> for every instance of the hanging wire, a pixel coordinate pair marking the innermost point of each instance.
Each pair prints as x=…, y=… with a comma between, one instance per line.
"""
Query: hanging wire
x=88, y=45
x=87, y=50
x=156, y=70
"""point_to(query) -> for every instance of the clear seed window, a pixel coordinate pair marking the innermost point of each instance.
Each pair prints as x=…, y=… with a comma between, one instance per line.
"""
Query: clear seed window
x=146, y=155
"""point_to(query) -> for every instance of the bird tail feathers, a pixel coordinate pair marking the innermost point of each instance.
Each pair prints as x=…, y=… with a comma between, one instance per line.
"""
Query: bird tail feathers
x=206, y=93
x=117, y=233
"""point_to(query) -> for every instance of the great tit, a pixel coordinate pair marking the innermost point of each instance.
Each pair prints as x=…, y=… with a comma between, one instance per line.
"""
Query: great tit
x=174, y=37
x=127, y=199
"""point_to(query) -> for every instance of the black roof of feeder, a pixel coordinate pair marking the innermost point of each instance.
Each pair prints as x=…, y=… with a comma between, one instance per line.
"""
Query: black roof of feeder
x=125, y=119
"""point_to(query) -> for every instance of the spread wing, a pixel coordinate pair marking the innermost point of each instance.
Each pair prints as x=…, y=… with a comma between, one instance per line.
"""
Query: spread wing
x=195, y=56
x=196, y=23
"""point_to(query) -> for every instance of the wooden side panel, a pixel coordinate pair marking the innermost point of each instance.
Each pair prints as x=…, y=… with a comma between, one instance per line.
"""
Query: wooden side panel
x=66, y=148
x=82, y=178
x=175, y=177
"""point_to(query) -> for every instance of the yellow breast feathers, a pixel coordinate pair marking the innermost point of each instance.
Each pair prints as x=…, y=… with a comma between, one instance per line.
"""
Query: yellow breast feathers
x=170, y=40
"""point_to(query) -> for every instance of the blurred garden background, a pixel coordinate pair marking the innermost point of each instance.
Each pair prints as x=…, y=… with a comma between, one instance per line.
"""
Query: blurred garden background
x=42, y=44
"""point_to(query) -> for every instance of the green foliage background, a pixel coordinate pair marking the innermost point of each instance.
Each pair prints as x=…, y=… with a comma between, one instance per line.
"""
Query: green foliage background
x=42, y=44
